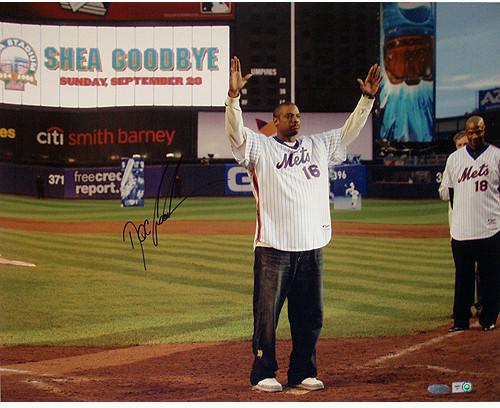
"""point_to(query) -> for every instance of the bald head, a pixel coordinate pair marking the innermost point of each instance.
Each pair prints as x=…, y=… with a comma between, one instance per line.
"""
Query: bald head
x=474, y=121
x=277, y=110
x=475, y=129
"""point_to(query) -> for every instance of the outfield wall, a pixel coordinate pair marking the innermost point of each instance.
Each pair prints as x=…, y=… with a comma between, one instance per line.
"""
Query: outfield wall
x=209, y=180
x=104, y=182
x=404, y=181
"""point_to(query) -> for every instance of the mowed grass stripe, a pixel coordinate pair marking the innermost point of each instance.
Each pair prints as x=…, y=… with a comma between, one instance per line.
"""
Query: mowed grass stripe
x=395, y=311
x=129, y=330
x=188, y=274
x=210, y=259
x=193, y=271
x=226, y=261
x=193, y=322
x=40, y=285
x=404, y=283
x=79, y=208
x=434, y=250
x=210, y=262
x=406, y=256
x=429, y=261
x=181, y=246
x=411, y=278
x=58, y=210
x=399, y=257
x=404, y=293
x=397, y=211
x=210, y=267
x=382, y=304
x=183, y=267
x=232, y=244
x=215, y=208
x=413, y=245
x=397, y=266
x=111, y=210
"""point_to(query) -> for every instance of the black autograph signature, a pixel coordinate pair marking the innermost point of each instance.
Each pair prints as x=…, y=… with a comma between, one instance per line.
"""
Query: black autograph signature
x=146, y=229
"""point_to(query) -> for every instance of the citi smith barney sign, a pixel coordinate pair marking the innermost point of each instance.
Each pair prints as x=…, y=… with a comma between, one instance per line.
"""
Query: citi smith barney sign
x=114, y=66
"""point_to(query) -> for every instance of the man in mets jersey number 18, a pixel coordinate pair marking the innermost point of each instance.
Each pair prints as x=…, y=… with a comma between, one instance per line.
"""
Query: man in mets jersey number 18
x=290, y=183
x=472, y=175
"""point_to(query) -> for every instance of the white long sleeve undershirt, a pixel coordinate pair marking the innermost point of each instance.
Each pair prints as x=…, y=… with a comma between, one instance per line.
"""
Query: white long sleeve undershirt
x=349, y=132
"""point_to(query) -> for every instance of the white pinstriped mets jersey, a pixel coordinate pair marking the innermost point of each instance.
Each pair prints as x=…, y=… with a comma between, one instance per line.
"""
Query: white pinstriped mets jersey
x=291, y=183
x=476, y=199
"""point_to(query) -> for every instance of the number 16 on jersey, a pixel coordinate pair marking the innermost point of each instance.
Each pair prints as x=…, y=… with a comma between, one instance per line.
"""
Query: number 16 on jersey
x=311, y=170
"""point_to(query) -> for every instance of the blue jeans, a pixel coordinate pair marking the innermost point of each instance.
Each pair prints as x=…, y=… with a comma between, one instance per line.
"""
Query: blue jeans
x=296, y=276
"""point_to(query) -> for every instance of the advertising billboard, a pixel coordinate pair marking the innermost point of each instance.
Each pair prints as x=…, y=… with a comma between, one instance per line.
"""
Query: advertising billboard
x=92, y=183
x=489, y=99
x=89, y=67
x=407, y=95
x=237, y=180
x=94, y=136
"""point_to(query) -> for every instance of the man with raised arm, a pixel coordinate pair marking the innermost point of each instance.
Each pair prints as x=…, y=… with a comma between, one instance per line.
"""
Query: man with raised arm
x=290, y=183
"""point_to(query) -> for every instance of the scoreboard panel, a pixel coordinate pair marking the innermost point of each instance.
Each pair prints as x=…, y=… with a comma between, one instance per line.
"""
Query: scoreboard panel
x=261, y=40
x=335, y=44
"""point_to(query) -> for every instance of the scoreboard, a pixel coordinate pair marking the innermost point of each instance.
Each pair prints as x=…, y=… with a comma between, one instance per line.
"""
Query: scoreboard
x=261, y=40
x=335, y=43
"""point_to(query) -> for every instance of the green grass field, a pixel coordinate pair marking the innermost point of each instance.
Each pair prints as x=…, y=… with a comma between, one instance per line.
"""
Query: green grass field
x=374, y=211
x=91, y=289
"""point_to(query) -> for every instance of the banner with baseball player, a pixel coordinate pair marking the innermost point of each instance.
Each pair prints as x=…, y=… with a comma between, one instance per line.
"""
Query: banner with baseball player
x=407, y=94
x=347, y=186
x=132, y=182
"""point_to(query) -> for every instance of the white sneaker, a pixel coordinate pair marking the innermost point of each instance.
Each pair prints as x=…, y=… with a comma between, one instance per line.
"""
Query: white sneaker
x=311, y=384
x=268, y=385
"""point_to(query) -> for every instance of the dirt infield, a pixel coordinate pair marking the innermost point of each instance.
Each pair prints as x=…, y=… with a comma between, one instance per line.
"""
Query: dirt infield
x=225, y=228
x=357, y=369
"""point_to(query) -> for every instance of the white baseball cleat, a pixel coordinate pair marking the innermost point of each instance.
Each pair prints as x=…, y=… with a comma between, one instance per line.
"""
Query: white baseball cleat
x=268, y=385
x=311, y=384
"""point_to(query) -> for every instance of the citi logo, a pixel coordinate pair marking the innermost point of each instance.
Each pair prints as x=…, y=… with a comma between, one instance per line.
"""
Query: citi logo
x=52, y=136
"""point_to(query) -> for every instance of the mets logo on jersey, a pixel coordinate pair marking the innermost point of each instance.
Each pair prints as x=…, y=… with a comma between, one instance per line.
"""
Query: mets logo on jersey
x=471, y=173
x=290, y=160
x=18, y=64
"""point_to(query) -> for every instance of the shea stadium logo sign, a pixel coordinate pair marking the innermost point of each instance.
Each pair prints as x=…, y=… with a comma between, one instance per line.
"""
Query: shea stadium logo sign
x=18, y=64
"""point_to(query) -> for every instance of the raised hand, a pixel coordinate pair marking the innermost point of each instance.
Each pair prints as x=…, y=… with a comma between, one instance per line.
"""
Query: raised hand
x=236, y=80
x=371, y=84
